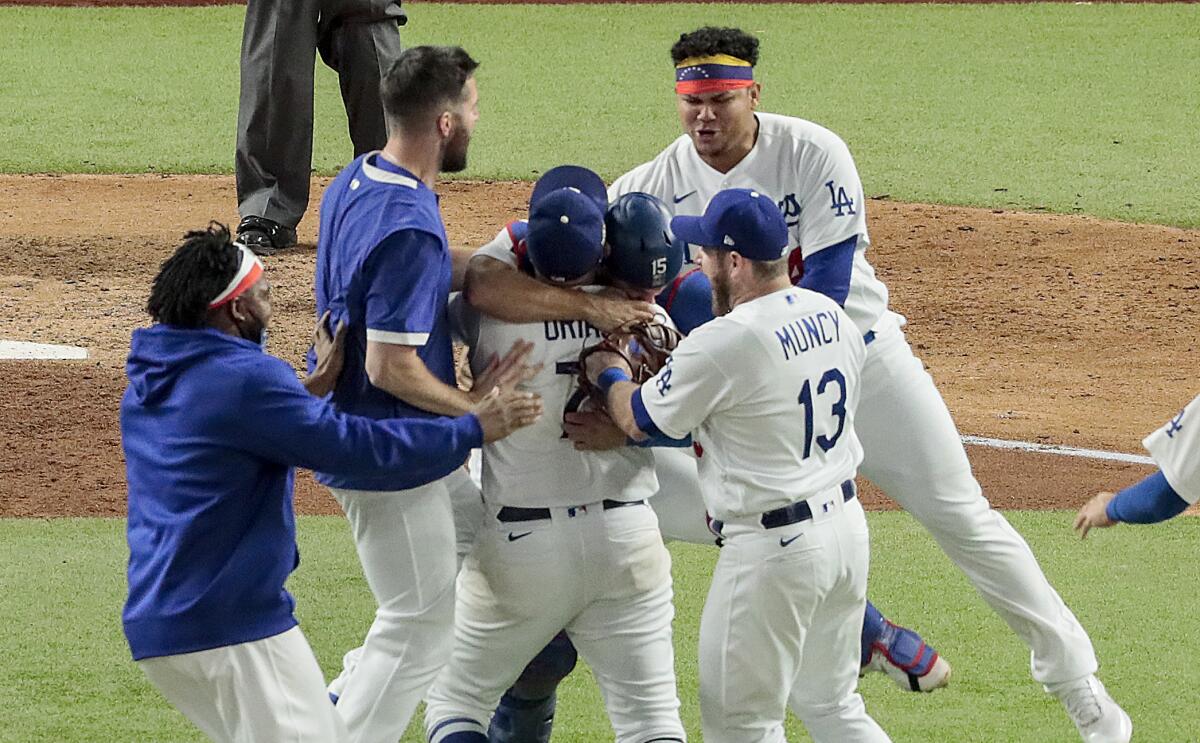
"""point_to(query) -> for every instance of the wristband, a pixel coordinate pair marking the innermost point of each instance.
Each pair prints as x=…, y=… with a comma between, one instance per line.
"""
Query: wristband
x=611, y=376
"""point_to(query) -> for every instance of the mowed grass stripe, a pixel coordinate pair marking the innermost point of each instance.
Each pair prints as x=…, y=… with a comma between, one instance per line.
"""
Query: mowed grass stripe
x=69, y=679
x=1069, y=108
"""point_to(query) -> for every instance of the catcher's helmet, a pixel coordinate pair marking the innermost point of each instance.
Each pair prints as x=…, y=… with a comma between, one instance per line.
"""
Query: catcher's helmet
x=641, y=248
x=566, y=224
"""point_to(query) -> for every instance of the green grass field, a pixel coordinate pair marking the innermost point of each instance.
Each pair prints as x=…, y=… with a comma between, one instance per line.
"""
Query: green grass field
x=1069, y=108
x=68, y=678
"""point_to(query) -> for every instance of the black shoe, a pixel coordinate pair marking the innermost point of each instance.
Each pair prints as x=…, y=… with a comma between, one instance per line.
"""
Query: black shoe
x=265, y=236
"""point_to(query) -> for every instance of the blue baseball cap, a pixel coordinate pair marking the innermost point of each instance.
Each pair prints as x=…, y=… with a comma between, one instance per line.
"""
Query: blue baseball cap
x=738, y=219
x=566, y=235
x=571, y=176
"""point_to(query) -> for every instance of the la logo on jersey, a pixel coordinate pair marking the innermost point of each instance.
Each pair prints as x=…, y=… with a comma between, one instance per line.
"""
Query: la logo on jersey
x=842, y=204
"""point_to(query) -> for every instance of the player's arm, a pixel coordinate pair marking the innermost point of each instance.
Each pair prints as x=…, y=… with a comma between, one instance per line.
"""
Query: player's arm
x=329, y=351
x=832, y=221
x=668, y=406
x=402, y=307
x=498, y=289
x=828, y=270
x=1147, y=502
x=279, y=421
x=1164, y=494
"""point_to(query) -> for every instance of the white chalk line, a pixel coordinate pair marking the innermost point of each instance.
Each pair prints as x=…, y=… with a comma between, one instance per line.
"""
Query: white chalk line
x=1065, y=451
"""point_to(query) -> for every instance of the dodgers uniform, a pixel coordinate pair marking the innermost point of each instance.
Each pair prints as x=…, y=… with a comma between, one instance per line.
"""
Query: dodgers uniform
x=383, y=266
x=911, y=447
x=770, y=393
x=567, y=542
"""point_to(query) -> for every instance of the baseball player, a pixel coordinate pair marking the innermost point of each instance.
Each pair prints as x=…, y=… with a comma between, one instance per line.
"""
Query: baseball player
x=211, y=428
x=384, y=268
x=912, y=450
x=569, y=540
x=1164, y=494
x=769, y=390
x=639, y=243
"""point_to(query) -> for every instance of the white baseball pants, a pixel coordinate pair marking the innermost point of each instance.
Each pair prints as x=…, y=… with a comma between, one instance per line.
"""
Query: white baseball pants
x=270, y=689
x=406, y=543
x=782, y=625
x=605, y=576
x=913, y=452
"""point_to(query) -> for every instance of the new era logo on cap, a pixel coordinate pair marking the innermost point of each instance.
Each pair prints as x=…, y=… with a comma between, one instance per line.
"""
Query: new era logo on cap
x=739, y=219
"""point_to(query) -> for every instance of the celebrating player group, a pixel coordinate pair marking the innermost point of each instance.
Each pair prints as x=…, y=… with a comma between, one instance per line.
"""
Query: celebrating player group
x=699, y=351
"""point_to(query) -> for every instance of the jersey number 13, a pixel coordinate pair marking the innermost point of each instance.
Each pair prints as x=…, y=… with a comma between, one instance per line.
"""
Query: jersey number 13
x=837, y=410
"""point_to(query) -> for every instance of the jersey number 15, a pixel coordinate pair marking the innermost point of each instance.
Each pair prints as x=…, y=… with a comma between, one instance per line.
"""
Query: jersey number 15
x=838, y=409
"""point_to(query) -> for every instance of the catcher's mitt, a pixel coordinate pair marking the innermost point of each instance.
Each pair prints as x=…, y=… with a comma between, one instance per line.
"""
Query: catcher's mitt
x=645, y=346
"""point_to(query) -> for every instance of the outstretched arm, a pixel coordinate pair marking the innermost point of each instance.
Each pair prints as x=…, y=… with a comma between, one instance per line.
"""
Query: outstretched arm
x=497, y=289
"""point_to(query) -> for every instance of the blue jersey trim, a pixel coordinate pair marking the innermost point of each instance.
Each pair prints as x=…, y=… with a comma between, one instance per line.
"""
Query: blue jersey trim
x=1147, y=502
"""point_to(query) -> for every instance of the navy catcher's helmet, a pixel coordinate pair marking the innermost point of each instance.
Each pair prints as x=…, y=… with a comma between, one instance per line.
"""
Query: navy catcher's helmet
x=642, y=251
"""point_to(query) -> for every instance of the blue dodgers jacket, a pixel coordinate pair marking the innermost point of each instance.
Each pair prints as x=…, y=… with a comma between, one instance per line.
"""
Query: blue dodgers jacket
x=212, y=427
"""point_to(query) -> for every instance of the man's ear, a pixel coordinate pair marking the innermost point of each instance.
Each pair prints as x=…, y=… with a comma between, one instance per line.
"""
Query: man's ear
x=445, y=124
x=236, y=311
x=755, y=95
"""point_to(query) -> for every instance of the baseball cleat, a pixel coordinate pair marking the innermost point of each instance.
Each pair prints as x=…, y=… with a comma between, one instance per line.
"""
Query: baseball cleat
x=1097, y=717
x=907, y=660
x=265, y=236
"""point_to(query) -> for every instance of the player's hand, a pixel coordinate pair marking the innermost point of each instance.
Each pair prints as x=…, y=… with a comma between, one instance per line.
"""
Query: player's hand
x=608, y=313
x=505, y=373
x=502, y=412
x=597, y=362
x=593, y=431
x=330, y=352
x=1094, y=515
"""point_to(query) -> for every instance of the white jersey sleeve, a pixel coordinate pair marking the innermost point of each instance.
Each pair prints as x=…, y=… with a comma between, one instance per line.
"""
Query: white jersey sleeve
x=688, y=389
x=1176, y=450
x=501, y=248
x=832, y=207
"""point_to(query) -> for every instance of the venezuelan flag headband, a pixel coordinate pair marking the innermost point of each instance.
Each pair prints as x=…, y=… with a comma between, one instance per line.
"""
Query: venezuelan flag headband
x=250, y=270
x=712, y=74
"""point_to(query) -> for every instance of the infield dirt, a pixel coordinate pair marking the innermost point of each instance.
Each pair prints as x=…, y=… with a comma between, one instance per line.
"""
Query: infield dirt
x=1037, y=327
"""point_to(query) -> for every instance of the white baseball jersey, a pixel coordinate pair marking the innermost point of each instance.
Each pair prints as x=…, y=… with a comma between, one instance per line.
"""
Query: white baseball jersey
x=1176, y=450
x=809, y=172
x=537, y=466
x=769, y=391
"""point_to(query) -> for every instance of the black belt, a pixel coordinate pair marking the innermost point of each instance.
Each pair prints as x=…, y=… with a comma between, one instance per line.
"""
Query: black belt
x=509, y=514
x=793, y=514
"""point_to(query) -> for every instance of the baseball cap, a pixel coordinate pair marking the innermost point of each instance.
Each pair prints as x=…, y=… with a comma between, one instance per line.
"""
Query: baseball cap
x=571, y=176
x=738, y=219
x=566, y=235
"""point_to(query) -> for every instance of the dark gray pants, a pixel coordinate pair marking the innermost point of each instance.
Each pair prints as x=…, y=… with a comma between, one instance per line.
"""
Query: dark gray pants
x=358, y=39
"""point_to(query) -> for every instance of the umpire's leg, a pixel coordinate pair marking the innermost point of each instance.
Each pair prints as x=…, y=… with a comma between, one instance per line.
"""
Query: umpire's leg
x=360, y=40
x=275, y=109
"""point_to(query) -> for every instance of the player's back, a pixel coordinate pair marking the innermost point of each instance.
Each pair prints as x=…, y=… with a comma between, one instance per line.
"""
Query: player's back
x=538, y=466
x=784, y=429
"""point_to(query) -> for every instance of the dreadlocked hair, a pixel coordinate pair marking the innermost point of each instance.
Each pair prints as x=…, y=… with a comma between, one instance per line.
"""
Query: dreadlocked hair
x=710, y=40
x=187, y=281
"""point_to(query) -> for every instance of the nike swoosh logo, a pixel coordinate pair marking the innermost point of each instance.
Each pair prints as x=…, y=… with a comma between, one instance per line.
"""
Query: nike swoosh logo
x=784, y=542
x=514, y=537
x=681, y=198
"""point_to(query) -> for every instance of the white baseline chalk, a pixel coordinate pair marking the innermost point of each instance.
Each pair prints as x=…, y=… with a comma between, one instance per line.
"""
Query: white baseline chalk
x=1066, y=451
x=23, y=350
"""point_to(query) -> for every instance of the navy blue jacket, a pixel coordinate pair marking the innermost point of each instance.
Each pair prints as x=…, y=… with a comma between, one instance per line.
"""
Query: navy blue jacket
x=212, y=427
